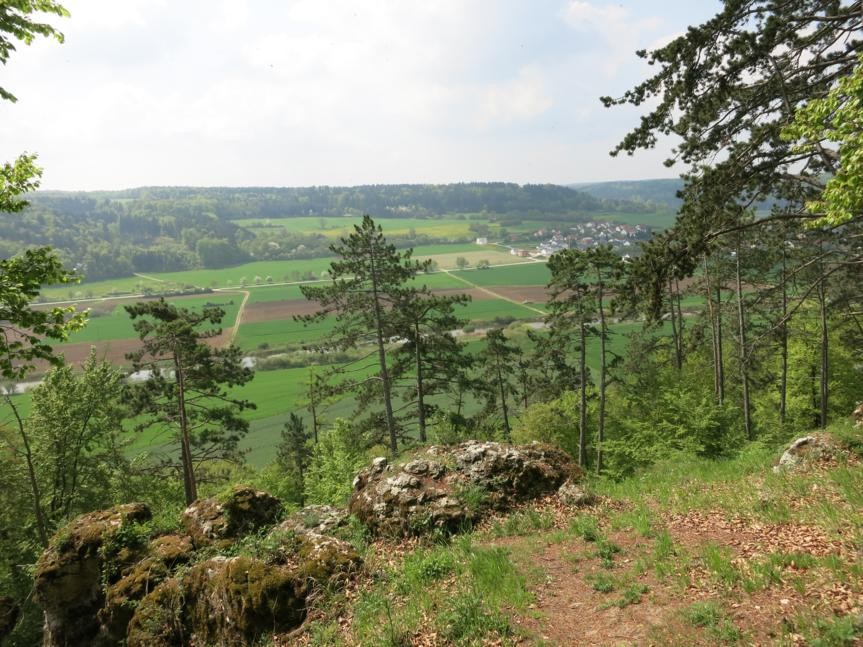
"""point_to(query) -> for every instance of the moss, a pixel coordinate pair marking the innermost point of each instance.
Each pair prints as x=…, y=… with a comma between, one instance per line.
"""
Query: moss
x=238, y=600
x=158, y=620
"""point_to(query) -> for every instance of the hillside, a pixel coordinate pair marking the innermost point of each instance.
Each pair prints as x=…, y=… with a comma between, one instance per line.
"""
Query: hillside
x=647, y=192
x=689, y=552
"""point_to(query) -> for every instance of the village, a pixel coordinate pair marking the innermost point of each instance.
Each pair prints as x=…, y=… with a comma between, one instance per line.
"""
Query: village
x=584, y=235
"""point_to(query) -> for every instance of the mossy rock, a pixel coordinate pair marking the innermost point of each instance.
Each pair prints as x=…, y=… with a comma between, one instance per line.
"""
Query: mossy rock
x=71, y=573
x=449, y=488
x=164, y=555
x=158, y=619
x=220, y=520
x=240, y=600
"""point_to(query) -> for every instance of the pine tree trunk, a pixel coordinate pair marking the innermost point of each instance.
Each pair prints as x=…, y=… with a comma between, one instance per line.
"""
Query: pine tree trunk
x=741, y=331
x=503, y=401
x=712, y=314
x=600, y=432
x=382, y=359
x=421, y=410
x=582, y=371
x=720, y=366
x=783, y=341
x=675, y=334
x=190, y=487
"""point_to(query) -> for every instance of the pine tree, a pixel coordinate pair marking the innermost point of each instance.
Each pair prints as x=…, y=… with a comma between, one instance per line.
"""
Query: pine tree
x=369, y=279
x=186, y=385
x=293, y=453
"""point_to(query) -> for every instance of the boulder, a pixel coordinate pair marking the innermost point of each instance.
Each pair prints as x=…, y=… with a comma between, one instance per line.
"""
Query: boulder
x=804, y=450
x=448, y=487
x=225, y=518
x=319, y=519
x=575, y=495
x=164, y=554
x=9, y=612
x=858, y=415
x=238, y=600
x=71, y=574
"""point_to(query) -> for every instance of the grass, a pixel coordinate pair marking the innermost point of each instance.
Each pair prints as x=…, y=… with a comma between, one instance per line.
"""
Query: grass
x=524, y=274
x=116, y=324
x=462, y=592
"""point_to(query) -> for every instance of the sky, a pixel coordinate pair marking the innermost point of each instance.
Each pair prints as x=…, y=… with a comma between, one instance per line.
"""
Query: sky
x=335, y=92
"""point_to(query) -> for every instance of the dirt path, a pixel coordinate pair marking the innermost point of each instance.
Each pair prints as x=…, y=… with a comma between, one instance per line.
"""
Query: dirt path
x=641, y=593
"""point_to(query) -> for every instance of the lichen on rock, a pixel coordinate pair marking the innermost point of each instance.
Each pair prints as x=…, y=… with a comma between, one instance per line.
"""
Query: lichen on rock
x=221, y=519
x=448, y=487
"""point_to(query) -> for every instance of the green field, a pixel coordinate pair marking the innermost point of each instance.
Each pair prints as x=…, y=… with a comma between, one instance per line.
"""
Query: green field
x=118, y=325
x=527, y=274
x=281, y=332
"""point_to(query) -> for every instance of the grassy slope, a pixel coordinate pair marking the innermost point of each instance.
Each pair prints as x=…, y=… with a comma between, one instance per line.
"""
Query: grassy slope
x=690, y=552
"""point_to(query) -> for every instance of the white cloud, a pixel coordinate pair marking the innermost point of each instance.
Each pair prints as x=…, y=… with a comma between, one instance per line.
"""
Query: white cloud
x=523, y=97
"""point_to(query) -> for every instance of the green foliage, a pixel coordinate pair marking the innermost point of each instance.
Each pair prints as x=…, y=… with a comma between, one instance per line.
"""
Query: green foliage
x=186, y=386
x=554, y=422
x=16, y=21
x=21, y=279
x=334, y=462
x=836, y=118
x=76, y=434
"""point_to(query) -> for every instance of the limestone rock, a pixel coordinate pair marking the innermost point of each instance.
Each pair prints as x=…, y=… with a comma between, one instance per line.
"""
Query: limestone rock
x=237, y=600
x=803, y=450
x=164, y=554
x=71, y=573
x=575, y=495
x=448, y=487
x=320, y=519
x=225, y=518
x=9, y=612
x=858, y=415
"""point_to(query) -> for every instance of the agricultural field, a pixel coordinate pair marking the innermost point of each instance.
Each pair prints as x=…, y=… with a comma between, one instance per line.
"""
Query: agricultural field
x=525, y=274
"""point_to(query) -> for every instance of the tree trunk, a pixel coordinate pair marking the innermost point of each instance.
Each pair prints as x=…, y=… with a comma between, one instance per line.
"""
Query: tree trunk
x=582, y=371
x=720, y=367
x=600, y=432
x=382, y=359
x=825, y=348
x=675, y=335
x=421, y=410
x=741, y=331
x=190, y=487
x=712, y=314
x=35, y=494
x=783, y=341
x=503, y=401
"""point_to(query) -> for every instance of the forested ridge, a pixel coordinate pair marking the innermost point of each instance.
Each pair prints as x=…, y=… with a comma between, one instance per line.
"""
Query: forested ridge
x=157, y=229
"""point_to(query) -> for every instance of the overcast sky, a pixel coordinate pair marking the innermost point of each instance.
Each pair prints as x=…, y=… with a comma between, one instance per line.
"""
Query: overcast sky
x=338, y=92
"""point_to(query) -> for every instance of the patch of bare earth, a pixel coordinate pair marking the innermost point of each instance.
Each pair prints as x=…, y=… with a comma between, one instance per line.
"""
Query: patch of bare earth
x=569, y=611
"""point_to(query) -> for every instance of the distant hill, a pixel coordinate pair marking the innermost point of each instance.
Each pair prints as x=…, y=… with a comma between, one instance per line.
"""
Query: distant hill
x=650, y=193
x=380, y=200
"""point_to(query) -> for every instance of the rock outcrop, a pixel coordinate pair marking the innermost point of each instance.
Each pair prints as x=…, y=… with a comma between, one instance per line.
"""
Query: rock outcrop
x=223, y=519
x=449, y=487
x=807, y=449
x=236, y=575
x=70, y=574
x=105, y=581
x=238, y=599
